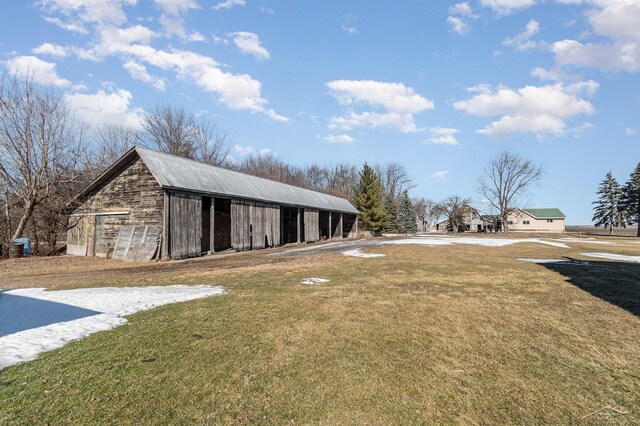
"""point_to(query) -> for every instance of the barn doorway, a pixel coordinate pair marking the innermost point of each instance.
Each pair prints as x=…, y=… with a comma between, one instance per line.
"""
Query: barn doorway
x=323, y=225
x=289, y=218
x=336, y=225
x=221, y=224
x=349, y=223
x=205, y=237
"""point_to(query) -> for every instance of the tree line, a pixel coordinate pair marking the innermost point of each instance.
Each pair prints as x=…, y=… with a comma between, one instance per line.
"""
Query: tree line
x=618, y=206
x=47, y=156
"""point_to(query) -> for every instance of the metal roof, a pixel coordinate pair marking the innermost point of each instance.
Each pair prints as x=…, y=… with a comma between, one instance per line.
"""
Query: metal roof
x=552, y=213
x=181, y=173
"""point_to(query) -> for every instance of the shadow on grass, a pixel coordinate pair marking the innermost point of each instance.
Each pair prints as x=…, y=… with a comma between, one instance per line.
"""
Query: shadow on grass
x=20, y=313
x=615, y=282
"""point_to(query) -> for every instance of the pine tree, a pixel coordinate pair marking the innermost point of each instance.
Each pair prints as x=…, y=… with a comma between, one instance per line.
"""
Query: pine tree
x=631, y=198
x=368, y=199
x=608, y=210
x=406, y=215
x=391, y=212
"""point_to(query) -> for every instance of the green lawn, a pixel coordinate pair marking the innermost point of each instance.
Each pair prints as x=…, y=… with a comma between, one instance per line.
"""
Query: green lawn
x=425, y=335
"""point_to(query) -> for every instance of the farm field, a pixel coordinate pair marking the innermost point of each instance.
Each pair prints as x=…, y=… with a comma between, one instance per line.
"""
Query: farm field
x=427, y=334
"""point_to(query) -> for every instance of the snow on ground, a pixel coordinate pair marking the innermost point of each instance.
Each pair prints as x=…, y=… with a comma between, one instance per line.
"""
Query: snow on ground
x=553, y=261
x=314, y=281
x=360, y=253
x=585, y=240
x=33, y=320
x=484, y=242
x=611, y=256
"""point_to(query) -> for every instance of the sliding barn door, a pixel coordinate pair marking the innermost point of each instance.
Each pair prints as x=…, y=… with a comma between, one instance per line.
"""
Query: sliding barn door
x=185, y=225
x=311, y=225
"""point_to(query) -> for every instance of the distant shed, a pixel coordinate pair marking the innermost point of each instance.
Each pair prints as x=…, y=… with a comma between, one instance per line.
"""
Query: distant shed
x=200, y=209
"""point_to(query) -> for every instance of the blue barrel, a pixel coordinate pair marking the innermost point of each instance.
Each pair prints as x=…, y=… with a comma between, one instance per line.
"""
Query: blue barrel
x=27, y=245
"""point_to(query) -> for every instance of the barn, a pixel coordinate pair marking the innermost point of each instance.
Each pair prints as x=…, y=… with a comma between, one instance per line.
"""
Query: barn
x=183, y=208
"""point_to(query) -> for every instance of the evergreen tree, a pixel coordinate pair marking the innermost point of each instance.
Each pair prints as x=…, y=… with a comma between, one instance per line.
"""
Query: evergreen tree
x=608, y=210
x=368, y=199
x=391, y=212
x=406, y=216
x=631, y=198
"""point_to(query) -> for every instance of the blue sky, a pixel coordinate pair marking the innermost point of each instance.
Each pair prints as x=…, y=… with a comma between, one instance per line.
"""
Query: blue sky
x=441, y=87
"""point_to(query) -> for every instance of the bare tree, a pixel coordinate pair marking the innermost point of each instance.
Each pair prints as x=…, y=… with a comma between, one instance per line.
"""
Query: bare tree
x=428, y=209
x=341, y=180
x=315, y=177
x=506, y=180
x=174, y=131
x=113, y=142
x=41, y=145
x=394, y=179
x=210, y=142
x=455, y=208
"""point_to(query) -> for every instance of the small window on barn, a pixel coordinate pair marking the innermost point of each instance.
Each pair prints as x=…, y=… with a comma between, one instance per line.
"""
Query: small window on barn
x=509, y=222
x=549, y=220
x=526, y=222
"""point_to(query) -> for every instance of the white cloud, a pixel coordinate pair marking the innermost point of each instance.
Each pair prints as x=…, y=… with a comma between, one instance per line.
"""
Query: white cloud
x=505, y=7
x=228, y=4
x=176, y=7
x=522, y=41
x=440, y=176
x=102, y=108
x=172, y=18
x=69, y=26
x=196, y=36
x=534, y=109
x=400, y=103
x=242, y=150
x=618, y=56
x=265, y=152
x=458, y=16
x=340, y=139
x=249, y=44
x=443, y=136
x=95, y=11
x=139, y=72
x=350, y=29
x=42, y=72
x=458, y=25
x=50, y=49
x=614, y=20
x=267, y=10
x=630, y=131
x=220, y=40
x=131, y=44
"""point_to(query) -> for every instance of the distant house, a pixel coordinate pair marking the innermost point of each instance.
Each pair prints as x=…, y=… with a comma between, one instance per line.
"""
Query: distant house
x=421, y=224
x=471, y=221
x=536, y=220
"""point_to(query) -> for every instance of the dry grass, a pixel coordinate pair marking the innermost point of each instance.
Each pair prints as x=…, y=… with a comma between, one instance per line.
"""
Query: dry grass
x=453, y=334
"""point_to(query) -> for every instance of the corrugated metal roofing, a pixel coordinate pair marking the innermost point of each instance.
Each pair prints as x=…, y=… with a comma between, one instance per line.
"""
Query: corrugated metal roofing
x=545, y=213
x=181, y=173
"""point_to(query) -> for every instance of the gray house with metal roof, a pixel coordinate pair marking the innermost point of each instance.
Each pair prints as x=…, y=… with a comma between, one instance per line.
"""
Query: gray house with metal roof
x=187, y=208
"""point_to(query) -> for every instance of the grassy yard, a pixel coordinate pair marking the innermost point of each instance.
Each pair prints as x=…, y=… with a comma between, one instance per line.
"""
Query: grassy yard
x=425, y=335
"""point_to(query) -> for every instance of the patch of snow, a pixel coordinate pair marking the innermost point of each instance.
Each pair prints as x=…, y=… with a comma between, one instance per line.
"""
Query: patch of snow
x=34, y=320
x=483, y=242
x=611, y=256
x=314, y=281
x=562, y=261
x=585, y=240
x=360, y=253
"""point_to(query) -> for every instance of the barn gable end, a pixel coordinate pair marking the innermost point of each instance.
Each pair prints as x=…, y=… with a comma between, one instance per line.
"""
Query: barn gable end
x=130, y=197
